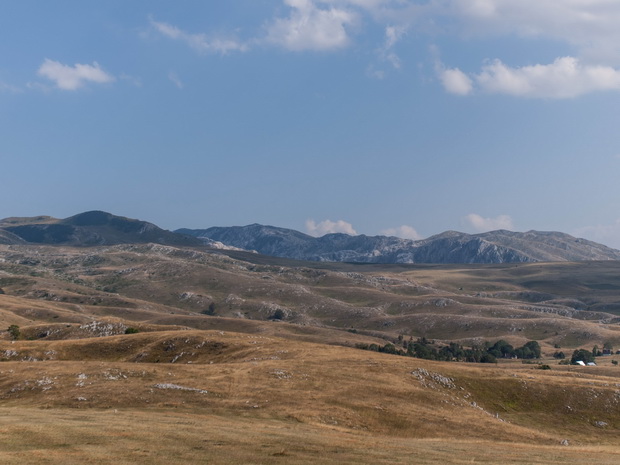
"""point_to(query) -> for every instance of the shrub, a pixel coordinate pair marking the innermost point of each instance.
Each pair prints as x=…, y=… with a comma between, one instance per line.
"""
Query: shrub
x=132, y=331
x=14, y=332
x=277, y=315
x=210, y=310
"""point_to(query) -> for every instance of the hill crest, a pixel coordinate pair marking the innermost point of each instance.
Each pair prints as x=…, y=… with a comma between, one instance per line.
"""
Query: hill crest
x=94, y=228
x=89, y=229
x=499, y=246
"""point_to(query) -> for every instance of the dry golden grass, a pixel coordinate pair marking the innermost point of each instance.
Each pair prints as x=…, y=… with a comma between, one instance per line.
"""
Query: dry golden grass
x=129, y=436
x=236, y=389
x=236, y=398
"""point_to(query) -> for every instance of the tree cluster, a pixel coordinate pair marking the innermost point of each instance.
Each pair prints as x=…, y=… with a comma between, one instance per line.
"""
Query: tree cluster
x=453, y=352
x=501, y=349
x=582, y=355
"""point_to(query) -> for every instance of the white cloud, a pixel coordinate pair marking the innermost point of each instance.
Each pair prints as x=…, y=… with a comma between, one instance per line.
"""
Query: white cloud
x=311, y=28
x=73, y=77
x=477, y=8
x=329, y=227
x=175, y=79
x=200, y=42
x=608, y=234
x=589, y=25
x=481, y=224
x=404, y=232
x=393, y=34
x=566, y=77
x=456, y=81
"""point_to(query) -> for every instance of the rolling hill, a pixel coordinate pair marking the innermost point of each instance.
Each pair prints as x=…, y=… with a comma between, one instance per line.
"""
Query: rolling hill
x=89, y=229
x=134, y=344
x=208, y=374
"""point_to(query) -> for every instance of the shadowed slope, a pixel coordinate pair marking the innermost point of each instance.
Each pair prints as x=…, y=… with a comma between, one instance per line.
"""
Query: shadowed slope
x=92, y=228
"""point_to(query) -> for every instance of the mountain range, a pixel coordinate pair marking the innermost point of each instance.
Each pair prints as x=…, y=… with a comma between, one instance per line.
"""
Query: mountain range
x=101, y=228
x=449, y=247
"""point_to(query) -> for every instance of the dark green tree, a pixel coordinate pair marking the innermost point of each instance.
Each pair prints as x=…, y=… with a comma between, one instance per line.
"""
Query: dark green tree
x=209, y=310
x=14, y=332
x=277, y=315
x=501, y=349
x=581, y=355
x=534, y=349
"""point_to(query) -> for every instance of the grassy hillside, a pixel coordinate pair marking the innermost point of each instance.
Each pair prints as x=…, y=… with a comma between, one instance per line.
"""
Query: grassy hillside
x=212, y=377
x=204, y=396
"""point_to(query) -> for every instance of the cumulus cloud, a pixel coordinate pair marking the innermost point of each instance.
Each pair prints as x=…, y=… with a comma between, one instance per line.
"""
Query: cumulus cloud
x=481, y=224
x=588, y=27
x=329, y=227
x=73, y=77
x=404, y=232
x=199, y=42
x=310, y=27
x=608, y=234
x=456, y=81
x=566, y=77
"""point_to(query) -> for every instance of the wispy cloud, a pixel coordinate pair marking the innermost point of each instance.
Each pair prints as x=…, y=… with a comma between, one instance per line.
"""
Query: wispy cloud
x=73, y=77
x=481, y=224
x=133, y=80
x=200, y=42
x=328, y=227
x=5, y=87
x=309, y=27
x=587, y=27
x=175, y=79
x=393, y=34
x=404, y=232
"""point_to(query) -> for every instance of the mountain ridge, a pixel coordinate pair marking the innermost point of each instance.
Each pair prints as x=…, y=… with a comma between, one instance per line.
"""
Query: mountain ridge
x=499, y=246
x=88, y=229
x=96, y=227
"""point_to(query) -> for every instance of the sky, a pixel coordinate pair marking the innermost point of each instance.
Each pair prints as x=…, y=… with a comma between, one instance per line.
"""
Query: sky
x=395, y=117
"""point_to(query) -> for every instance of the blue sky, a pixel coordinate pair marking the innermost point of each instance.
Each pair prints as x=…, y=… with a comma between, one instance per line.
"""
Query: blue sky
x=361, y=116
